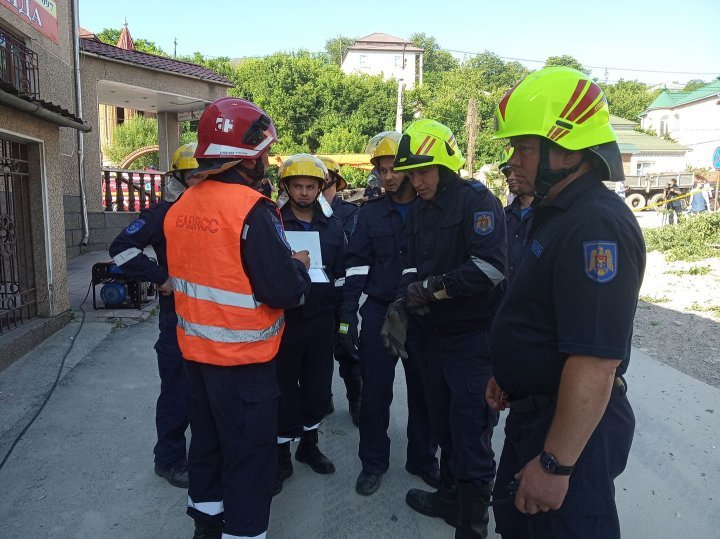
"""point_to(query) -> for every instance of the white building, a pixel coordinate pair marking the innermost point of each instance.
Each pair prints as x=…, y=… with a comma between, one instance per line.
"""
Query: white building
x=691, y=118
x=391, y=57
x=645, y=154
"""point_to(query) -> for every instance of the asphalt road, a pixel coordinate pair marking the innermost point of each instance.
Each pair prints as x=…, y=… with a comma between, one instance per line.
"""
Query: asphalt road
x=84, y=468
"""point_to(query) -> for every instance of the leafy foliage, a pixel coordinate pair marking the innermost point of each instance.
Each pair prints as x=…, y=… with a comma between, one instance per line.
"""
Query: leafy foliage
x=628, y=98
x=112, y=35
x=435, y=60
x=694, y=84
x=337, y=47
x=691, y=240
x=567, y=61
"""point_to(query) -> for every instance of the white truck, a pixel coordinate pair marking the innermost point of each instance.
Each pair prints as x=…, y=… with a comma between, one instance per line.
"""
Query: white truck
x=649, y=189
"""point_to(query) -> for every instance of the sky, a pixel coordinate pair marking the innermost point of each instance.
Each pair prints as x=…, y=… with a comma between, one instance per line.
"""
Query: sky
x=628, y=39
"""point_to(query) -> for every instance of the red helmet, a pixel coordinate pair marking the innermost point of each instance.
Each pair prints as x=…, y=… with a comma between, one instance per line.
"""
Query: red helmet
x=232, y=128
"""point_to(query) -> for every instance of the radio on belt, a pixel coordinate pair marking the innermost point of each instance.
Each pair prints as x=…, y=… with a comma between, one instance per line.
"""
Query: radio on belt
x=119, y=291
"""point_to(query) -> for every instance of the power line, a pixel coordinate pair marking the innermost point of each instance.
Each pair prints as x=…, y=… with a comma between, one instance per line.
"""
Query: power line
x=589, y=66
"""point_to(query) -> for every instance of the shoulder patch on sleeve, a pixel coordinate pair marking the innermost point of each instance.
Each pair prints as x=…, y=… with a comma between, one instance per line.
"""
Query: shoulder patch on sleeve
x=135, y=227
x=281, y=232
x=484, y=222
x=601, y=260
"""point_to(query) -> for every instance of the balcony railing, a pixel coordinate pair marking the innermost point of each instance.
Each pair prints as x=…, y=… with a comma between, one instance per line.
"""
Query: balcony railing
x=130, y=190
x=19, y=66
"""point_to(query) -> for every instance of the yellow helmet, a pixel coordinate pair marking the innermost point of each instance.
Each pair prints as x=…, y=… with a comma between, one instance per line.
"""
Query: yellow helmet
x=334, y=175
x=383, y=144
x=305, y=165
x=183, y=158
x=426, y=143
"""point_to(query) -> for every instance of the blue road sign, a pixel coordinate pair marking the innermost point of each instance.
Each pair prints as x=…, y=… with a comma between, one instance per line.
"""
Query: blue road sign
x=716, y=158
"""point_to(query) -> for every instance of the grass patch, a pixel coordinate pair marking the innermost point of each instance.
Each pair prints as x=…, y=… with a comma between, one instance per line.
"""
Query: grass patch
x=688, y=240
x=713, y=309
x=653, y=299
x=695, y=270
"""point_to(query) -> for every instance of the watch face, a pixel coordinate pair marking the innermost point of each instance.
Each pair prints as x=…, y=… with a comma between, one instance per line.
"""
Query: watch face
x=548, y=463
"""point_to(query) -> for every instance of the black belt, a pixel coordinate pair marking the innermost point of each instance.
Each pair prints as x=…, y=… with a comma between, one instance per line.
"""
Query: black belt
x=538, y=402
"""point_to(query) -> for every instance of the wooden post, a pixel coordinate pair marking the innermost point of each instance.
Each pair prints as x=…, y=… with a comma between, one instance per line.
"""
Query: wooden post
x=471, y=126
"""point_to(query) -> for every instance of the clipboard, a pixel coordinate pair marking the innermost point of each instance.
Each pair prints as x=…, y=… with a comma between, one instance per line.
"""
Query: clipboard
x=309, y=241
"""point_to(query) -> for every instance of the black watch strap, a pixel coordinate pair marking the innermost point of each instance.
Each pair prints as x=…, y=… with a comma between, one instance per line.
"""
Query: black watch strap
x=551, y=465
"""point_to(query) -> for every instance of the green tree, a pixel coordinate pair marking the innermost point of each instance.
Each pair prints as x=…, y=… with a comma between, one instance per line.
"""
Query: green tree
x=435, y=60
x=628, y=98
x=494, y=72
x=567, y=61
x=337, y=47
x=139, y=132
x=694, y=84
x=112, y=35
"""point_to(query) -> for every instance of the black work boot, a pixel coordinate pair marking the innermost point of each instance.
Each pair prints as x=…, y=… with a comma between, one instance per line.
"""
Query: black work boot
x=285, y=467
x=473, y=518
x=309, y=453
x=441, y=504
x=354, y=391
x=207, y=530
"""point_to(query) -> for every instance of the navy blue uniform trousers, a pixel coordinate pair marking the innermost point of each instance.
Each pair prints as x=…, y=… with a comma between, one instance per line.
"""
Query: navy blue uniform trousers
x=378, y=375
x=456, y=374
x=232, y=462
x=589, y=510
x=305, y=369
x=171, y=410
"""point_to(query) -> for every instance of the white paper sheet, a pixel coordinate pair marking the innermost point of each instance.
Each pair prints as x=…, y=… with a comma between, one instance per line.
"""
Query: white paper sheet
x=309, y=241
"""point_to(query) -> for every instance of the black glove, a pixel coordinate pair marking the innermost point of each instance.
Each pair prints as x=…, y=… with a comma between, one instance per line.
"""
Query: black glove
x=348, y=329
x=394, y=329
x=421, y=293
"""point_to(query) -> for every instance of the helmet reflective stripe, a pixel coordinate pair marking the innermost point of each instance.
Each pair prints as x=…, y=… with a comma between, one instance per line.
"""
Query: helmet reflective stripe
x=221, y=150
x=221, y=334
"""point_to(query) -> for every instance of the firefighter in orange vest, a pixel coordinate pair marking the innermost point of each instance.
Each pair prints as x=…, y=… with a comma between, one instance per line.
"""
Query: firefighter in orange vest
x=233, y=273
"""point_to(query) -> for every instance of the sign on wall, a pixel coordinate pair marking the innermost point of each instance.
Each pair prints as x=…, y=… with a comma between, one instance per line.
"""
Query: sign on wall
x=40, y=14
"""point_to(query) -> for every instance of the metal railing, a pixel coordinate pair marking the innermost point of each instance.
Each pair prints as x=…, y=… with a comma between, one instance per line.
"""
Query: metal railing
x=19, y=66
x=130, y=190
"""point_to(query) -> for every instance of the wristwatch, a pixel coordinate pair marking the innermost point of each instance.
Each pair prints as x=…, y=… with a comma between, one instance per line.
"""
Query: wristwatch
x=551, y=465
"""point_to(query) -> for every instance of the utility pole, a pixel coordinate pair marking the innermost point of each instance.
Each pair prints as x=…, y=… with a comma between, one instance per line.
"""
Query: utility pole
x=175, y=51
x=399, y=110
x=471, y=126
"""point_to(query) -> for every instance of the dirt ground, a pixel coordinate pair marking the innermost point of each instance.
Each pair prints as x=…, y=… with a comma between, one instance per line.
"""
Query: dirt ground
x=678, y=315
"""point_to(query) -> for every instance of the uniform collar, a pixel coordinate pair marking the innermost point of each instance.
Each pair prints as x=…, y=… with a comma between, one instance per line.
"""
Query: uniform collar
x=389, y=205
x=288, y=215
x=574, y=190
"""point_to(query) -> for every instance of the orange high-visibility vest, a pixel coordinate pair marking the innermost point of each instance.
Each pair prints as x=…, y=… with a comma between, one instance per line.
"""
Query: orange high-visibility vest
x=219, y=320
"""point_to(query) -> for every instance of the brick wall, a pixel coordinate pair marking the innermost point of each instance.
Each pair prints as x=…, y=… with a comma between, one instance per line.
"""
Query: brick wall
x=104, y=226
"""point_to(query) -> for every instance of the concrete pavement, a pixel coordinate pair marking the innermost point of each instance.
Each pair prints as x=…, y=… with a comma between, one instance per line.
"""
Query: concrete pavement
x=84, y=468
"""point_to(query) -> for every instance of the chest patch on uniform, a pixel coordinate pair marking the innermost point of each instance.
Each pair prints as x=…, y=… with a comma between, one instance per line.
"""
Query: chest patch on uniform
x=484, y=222
x=281, y=233
x=536, y=248
x=134, y=227
x=601, y=260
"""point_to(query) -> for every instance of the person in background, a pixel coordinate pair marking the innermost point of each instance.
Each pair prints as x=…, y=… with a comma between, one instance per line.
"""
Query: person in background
x=127, y=251
x=518, y=214
x=305, y=358
x=674, y=207
x=373, y=189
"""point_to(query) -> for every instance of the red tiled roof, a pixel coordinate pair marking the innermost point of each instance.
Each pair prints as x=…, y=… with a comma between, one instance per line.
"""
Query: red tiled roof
x=125, y=41
x=93, y=46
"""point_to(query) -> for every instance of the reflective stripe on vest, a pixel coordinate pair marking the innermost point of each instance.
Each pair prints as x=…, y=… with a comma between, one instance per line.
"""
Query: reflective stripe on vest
x=225, y=335
x=216, y=295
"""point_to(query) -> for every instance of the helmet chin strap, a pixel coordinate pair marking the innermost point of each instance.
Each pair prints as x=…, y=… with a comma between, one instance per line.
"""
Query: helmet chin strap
x=546, y=177
x=401, y=189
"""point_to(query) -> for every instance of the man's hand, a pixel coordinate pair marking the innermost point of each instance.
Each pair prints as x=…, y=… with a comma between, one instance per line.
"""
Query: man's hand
x=539, y=491
x=495, y=396
x=421, y=293
x=166, y=288
x=394, y=329
x=304, y=257
x=348, y=329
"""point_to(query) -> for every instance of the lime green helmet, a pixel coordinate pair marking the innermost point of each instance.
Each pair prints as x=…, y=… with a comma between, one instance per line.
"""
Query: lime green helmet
x=505, y=156
x=426, y=143
x=565, y=106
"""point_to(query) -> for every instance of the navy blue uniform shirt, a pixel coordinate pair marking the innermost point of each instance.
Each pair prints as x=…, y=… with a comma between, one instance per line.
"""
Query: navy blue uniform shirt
x=518, y=230
x=346, y=212
x=127, y=252
x=375, y=256
x=322, y=297
x=459, y=235
x=575, y=291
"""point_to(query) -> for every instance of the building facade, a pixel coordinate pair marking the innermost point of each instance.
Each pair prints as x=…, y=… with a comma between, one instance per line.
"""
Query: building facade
x=391, y=57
